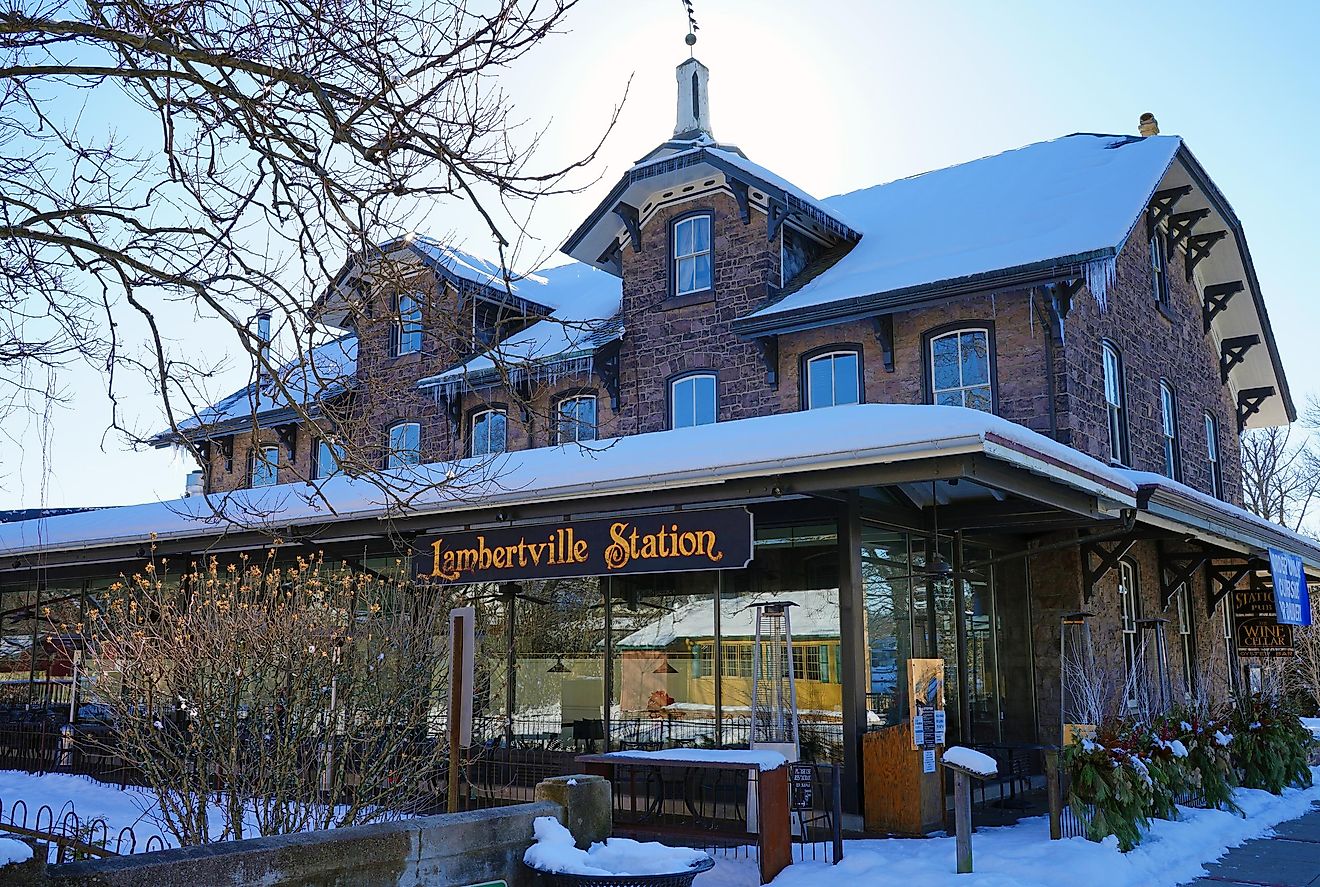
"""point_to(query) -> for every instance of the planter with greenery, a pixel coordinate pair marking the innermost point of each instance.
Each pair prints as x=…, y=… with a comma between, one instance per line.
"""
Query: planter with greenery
x=1271, y=749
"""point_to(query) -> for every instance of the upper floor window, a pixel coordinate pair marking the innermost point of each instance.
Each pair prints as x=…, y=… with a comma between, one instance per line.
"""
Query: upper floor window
x=692, y=266
x=488, y=433
x=408, y=325
x=1159, y=267
x=405, y=445
x=833, y=379
x=692, y=400
x=265, y=466
x=1115, y=404
x=1169, y=423
x=575, y=419
x=1212, y=456
x=960, y=369
x=328, y=455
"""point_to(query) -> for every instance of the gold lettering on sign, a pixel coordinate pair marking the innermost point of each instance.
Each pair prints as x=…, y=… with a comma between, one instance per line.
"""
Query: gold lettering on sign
x=629, y=545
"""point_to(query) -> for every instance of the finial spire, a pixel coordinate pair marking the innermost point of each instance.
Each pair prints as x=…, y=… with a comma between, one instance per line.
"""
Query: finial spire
x=693, y=27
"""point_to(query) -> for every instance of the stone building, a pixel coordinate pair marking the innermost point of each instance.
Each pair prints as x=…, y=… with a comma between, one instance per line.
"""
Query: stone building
x=985, y=410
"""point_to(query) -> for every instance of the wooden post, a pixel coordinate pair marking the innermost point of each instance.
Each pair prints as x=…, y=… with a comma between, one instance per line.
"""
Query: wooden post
x=455, y=706
x=962, y=818
x=773, y=821
x=1055, y=796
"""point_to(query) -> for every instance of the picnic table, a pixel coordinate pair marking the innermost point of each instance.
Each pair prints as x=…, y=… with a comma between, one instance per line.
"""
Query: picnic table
x=774, y=836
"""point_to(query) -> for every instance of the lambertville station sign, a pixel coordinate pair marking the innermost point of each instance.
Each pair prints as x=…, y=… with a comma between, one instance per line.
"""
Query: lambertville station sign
x=711, y=539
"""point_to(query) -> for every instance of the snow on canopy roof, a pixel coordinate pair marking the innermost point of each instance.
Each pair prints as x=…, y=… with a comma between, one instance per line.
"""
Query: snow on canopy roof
x=1272, y=534
x=815, y=616
x=328, y=370
x=590, y=301
x=1069, y=201
x=844, y=436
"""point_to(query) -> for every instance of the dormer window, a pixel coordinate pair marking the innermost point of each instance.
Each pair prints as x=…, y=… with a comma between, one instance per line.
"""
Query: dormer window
x=265, y=466
x=405, y=445
x=488, y=433
x=692, y=255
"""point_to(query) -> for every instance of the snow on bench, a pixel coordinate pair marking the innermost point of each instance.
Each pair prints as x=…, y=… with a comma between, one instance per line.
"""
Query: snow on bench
x=749, y=758
x=971, y=761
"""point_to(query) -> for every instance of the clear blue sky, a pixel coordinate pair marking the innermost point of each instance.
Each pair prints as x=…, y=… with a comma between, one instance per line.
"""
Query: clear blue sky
x=841, y=95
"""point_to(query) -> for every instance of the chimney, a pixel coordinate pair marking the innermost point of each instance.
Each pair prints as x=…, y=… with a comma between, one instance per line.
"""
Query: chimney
x=263, y=336
x=1148, y=125
x=194, y=485
x=693, y=101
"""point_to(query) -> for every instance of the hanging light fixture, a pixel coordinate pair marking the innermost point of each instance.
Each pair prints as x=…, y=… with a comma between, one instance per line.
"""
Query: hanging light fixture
x=938, y=567
x=559, y=667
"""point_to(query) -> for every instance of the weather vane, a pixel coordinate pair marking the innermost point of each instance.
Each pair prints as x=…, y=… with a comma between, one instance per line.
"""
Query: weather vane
x=693, y=27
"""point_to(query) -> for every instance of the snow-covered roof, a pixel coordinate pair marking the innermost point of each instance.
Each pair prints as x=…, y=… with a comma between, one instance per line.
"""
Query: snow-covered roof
x=852, y=436
x=1162, y=496
x=1067, y=202
x=815, y=616
x=327, y=371
x=588, y=318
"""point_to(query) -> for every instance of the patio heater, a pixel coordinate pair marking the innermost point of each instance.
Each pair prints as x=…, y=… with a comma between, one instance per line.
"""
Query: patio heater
x=774, y=690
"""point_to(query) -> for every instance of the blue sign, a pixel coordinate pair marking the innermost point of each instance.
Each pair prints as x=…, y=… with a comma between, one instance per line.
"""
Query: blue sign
x=1292, y=602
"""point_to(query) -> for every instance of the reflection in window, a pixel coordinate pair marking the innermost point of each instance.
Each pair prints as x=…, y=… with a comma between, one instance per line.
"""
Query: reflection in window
x=1115, y=404
x=488, y=433
x=692, y=268
x=576, y=419
x=692, y=401
x=265, y=467
x=1169, y=423
x=328, y=456
x=960, y=369
x=1212, y=456
x=833, y=380
x=405, y=445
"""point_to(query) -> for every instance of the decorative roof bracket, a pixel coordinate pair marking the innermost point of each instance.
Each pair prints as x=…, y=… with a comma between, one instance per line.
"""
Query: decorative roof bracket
x=1176, y=570
x=227, y=450
x=1161, y=204
x=884, y=335
x=778, y=213
x=612, y=258
x=1199, y=246
x=1181, y=225
x=1224, y=578
x=631, y=221
x=1217, y=296
x=605, y=364
x=451, y=402
x=1249, y=402
x=770, y=357
x=740, y=194
x=288, y=435
x=1109, y=559
x=1232, y=351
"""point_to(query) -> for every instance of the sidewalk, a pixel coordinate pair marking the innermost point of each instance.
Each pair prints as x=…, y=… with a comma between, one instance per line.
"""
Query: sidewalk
x=1289, y=859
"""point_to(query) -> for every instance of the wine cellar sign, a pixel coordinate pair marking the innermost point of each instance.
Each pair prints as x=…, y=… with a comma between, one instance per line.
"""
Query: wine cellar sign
x=676, y=541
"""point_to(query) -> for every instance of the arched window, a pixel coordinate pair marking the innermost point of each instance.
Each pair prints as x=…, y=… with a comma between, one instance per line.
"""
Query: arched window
x=833, y=379
x=488, y=433
x=405, y=445
x=265, y=466
x=1169, y=426
x=1115, y=404
x=692, y=255
x=692, y=400
x=408, y=325
x=960, y=369
x=575, y=419
x=1212, y=456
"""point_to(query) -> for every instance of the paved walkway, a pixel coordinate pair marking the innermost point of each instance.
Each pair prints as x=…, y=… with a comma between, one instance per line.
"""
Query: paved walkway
x=1289, y=859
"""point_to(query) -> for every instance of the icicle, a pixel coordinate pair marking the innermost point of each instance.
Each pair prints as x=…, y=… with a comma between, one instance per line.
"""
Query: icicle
x=1100, y=275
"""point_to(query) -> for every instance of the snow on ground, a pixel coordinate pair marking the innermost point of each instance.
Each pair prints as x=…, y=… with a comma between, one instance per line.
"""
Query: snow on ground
x=554, y=852
x=12, y=850
x=1023, y=856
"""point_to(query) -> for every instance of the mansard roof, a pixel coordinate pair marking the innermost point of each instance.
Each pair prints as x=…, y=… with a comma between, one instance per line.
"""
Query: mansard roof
x=327, y=371
x=561, y=344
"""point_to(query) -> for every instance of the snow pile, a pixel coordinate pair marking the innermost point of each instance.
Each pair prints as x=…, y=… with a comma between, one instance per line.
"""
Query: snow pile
x=554, y=852
x=1023, y=855
x=1312, y=724
x=749, y=758
x=12, y=850
x=975, y=762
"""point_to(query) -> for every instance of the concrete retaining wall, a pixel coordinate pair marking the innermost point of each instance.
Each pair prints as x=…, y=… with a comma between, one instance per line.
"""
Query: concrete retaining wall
x=432, y=851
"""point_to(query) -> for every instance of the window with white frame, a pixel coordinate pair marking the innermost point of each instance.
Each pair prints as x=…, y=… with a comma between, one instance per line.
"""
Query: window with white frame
x=1182, y=599
x=692, y=255
x=833, y=379
x=1129, y=590
x=1115, y=404
x=265, y=466
x=1169, y=424
x=405, y=445
x=1212, y=456
x=408, y=325
x=328, y=455
x=692, y=401
x=960, y=369
x=488, y=433
x=1159, y=267
x=575, y=419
